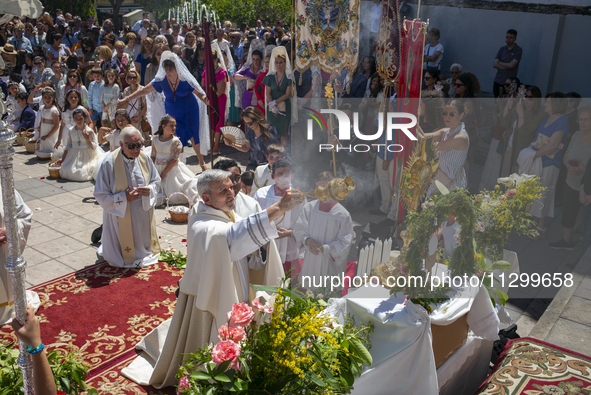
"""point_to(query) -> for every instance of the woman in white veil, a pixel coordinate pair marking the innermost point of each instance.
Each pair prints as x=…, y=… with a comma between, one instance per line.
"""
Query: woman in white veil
x=278, y=92
x=245, y=96
x=222, y=87
x=174, y=91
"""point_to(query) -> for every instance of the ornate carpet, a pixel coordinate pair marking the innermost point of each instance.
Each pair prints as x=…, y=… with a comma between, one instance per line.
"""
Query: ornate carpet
x=103, y=312
x=529, y=366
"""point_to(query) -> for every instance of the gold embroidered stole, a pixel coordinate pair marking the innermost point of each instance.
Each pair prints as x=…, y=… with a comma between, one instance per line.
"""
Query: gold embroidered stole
x=125, y=228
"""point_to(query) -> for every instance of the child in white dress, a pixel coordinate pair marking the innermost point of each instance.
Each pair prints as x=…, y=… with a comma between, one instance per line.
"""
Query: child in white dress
x=49, y=121
x=121, y=120
x=110, y=96
x=166, y=151
x=80, y=156
x=73, y=101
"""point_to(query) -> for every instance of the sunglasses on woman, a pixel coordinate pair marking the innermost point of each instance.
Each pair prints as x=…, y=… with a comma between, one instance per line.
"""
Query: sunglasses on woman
x=451, y=114
x=249, y=124
x=428, y=78
x=459, y=85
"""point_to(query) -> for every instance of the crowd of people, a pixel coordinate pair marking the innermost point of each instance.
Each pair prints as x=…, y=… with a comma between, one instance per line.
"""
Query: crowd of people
x=119, y=107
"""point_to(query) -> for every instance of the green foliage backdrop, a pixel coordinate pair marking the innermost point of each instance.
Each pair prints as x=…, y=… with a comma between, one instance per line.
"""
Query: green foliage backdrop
x=83, y=8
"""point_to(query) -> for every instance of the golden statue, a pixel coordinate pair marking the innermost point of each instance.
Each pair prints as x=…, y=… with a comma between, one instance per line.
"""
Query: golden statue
x=422, y=166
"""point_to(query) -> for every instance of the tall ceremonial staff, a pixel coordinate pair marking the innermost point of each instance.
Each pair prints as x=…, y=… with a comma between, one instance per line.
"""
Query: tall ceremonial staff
x=15, y=263
x=388, y=65
x=213, y=110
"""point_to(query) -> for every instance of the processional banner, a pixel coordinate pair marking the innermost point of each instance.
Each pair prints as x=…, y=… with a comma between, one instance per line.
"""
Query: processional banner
x=388, y=49
x=411, y=66
x=327, y=34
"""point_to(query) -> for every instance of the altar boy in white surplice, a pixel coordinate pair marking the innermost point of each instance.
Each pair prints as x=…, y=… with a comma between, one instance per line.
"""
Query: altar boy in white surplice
x=216, y=276
x=325, y=230
x=126, y=187
x=286, y=242
x=262, y=174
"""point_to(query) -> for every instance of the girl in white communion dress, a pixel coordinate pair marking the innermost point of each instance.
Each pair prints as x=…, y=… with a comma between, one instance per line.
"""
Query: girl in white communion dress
x=80, y=155
x=166, y=151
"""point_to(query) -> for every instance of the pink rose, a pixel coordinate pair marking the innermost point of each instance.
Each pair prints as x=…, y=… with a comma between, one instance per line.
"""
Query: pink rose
x=228, y=333
x=513, y=192
x=479, y=273
x=241, y=315
x=226, y=350
x=502, y=198
x=262, y=307
x=184, y=382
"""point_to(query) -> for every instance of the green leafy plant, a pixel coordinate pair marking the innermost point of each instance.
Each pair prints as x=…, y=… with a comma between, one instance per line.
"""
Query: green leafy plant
x=68, y=371
x=291, y=346
x=174, y=258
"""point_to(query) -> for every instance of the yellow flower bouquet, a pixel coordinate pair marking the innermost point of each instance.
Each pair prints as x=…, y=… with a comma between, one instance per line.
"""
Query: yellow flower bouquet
x=284, y=343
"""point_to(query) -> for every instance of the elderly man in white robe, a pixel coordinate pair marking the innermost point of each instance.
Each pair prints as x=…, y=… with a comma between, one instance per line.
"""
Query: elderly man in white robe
x=23, y=220
x=286, y=242
x=127, y=186
x=216, y=277
x=325, y=230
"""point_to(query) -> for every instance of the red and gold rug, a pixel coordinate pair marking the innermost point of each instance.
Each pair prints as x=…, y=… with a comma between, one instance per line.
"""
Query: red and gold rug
x=529, y=366
x=102, y=312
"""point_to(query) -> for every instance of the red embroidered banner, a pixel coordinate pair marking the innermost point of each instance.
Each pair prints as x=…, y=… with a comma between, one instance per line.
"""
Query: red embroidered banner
x=388, y=47
x=411, y=66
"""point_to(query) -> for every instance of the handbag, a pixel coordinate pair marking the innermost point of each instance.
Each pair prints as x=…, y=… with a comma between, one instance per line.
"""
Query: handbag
x=281, y=106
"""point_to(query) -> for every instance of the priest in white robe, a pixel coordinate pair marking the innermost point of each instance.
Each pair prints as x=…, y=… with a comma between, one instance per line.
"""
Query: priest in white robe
x=262, y=174
x=23, y=220
x=325, y=231
x=216, y=276
x=286, y=242
x=127, y=186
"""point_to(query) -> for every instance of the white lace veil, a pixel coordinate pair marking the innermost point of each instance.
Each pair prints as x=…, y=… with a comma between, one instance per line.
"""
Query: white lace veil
x=280, y=50
x=155, y=101
x=215, y=47
x=256, y=44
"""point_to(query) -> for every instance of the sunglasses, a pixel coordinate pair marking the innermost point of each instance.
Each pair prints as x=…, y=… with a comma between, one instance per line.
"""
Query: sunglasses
x=134, y=145
x=529, y=97
x=428, y=78
x=131, y=78
x=235, y=178
x=158, y=53
x=249, y=123
x=451, y=114
x=459, y=85
x=507, y=85
x=38, y=63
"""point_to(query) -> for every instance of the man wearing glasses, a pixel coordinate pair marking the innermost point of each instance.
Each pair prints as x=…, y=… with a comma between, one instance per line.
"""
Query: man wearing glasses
x=507, y=61
x=455, y=70
x=235, y=41
x=126, y=187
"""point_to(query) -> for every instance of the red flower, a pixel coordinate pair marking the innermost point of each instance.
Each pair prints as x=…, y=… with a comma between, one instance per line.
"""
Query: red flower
x=184, y=240
x=228, y=333
x=61, y=393
x=43, y=178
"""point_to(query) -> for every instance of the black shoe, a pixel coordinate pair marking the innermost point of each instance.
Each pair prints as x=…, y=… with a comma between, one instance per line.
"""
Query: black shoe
x=377, y=211
x=388, y=222
x=562, y=245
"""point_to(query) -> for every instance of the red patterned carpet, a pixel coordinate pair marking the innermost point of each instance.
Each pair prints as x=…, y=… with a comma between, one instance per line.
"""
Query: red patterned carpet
x=102, y=312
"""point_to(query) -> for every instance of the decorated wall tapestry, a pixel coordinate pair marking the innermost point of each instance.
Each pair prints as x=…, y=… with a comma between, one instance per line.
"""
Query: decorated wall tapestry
x=327, y=34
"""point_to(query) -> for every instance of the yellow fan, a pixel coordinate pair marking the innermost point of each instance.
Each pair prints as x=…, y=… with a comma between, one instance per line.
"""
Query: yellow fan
x=234, y=135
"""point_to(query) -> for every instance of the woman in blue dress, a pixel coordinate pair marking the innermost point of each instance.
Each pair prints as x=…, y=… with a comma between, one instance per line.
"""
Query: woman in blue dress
x=180, y=91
